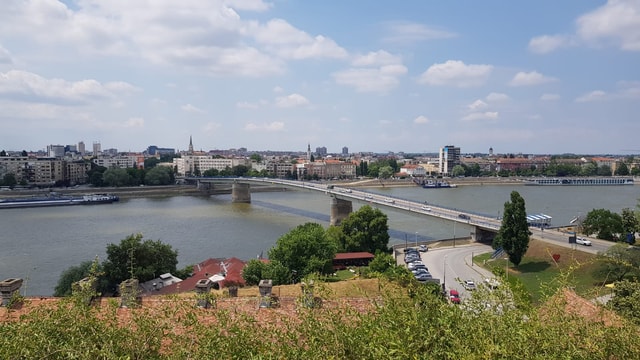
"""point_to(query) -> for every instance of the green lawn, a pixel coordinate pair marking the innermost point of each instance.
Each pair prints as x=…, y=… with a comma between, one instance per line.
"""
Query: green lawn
x=540, y=274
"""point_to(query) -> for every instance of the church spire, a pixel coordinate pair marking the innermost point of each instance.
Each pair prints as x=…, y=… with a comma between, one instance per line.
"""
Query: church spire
x=190, y=145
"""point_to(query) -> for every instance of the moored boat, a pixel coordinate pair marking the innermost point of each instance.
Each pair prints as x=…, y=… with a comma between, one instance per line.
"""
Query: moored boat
x=586, y=181
x=55, y=199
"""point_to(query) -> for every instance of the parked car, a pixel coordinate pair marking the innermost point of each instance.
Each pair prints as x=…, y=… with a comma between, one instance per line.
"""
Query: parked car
x=583, y=241
x=423, y=277
x=411, y=258
x=423, y=248
x=412, y=265
x=469, y=285
x=418, y=269
x=454, y=296
x=492, y=283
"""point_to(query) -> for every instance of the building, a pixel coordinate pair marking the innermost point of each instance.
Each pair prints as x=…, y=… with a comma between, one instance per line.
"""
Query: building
x=343, y=260
x=321, y=151
x=198, y=164
x=120, y=161
x=449, y=157
x=97, y=148
x=55, y=151
x=412, y=170
x=81, y=148
x=345, y=151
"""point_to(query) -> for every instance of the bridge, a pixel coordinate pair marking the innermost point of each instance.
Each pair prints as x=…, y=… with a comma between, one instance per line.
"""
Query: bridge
x=485, y=227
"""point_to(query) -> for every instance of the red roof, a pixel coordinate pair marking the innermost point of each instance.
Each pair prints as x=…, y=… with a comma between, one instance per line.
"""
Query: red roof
x=205, y=270
x=353, y=255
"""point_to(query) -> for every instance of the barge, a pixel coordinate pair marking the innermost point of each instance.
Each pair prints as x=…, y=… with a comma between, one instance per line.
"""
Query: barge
x=55, y=199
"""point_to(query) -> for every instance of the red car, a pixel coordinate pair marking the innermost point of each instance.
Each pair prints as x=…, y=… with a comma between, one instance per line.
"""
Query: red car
x=454, y=296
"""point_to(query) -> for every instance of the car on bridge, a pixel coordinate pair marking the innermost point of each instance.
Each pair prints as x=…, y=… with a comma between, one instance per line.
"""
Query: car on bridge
x=464, y=216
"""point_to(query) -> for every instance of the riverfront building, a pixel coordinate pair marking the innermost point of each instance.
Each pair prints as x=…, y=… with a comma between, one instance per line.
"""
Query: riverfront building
x=449, y=157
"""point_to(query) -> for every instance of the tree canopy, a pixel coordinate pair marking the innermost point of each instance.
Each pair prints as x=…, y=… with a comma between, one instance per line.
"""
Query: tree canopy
x=620, y=262
x=606, y=224
x=513, y=236
x=135, y=258
x=363, y=230
x=305, y=250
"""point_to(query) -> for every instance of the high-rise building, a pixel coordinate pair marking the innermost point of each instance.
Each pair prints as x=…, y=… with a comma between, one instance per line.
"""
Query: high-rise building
x=449, y=157
x=321, y=151
x=81, y=148
x=55, y=151
x=345, y=150
x=97, y=148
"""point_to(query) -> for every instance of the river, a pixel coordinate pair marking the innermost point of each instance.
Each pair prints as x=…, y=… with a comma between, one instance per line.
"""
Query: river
x=39, y=243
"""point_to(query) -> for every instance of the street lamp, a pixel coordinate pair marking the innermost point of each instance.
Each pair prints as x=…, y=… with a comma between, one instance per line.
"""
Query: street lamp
x=416, y=239
x=444, y=274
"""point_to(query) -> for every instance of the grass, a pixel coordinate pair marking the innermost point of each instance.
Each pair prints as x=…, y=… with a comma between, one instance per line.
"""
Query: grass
x=354, y=287
x=540, y=274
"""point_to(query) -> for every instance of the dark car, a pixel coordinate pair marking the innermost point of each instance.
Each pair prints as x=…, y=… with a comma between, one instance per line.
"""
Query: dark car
x=464, y=216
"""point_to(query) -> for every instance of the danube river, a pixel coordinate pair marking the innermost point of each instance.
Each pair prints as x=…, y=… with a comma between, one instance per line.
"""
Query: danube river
x=39, y=243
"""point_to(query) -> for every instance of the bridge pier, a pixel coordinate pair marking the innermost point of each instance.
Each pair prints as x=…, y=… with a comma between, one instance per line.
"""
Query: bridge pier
x=482, y=236
x=340, y=210
x=240, y=193
x=203, y=186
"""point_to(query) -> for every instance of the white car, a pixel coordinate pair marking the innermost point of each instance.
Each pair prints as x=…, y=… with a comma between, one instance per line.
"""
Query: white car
x=583, y=241
x=425, y=208
x=469, y=285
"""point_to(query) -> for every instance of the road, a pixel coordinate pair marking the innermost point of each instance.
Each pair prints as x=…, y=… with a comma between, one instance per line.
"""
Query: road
x=453, y=265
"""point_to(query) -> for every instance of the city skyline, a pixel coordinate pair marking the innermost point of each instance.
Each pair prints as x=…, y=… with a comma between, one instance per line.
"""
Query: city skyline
x=537, y=77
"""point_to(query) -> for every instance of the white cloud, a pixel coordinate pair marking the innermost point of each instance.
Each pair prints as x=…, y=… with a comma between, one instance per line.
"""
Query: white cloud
x=477, y=105
x=286, y=41
x=134, y=122
x=549, y=97
x=191, y=109
x=592, y=96
x=248, y=5
x=376, y=58
x=530, y=79
x=497, y=97
x=293, y=100
x=408, y=32
x=421, y=120
x=379, y=80
x=456, y=73
x=489, y=115
x=30, y=87
x=269, y=127
x=548, y=43
x=5, y=56
x=617, y=22
x=278, y=89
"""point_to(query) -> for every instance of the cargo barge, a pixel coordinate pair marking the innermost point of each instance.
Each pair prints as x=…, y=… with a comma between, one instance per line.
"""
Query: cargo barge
x=55, y=199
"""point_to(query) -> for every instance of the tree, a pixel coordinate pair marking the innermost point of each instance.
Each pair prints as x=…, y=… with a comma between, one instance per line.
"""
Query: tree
x=159, y=175
x=630, y=225
x=256, y=157
x=9, y=180
x=458, y=170
x=622, y=169
x=385, y=172
x=211, y=172
x=135, y=258
x=382, y=262
x=513, y=236
x=252, y=272
x=618, y=262
x=626, y=300
x=605, y=224
x=150, y=163
x=70, y=276
x=3, y=153
x=116, y=177
x=364, y=230
x=304, y=250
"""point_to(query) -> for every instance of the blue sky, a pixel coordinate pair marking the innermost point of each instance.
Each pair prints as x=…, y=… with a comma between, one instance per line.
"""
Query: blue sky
x=539, y=77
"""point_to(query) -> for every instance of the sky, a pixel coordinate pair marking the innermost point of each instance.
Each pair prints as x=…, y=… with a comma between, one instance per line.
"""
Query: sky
x=533, y=77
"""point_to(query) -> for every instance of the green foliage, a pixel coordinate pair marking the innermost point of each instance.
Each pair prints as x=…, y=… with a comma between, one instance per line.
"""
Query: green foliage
x=9, y=180
x=363, y=230
x=619, y=262
x=626, y=300
x=458, y=170
x=116, y=177
x=605, y=224
x=70, y=276
x=385, y=172
x=630, y=224
x=382, y=262
x=304, y=250
x=134, y=258
x=151, y=162
x=513, y=236
x=159, y=175
x=277, y=272
x=256, y=157
x=252, y=272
